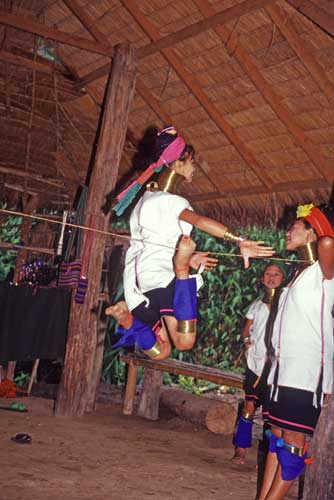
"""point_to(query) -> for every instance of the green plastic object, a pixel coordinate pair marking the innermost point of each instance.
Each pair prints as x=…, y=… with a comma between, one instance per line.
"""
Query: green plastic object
x=15, y=406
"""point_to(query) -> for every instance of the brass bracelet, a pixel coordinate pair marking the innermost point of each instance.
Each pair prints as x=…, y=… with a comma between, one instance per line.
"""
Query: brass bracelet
x=229, y=236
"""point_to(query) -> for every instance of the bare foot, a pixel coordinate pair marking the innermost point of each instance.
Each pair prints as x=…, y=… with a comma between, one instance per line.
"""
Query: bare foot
x=185, y=248
x=121, y=313
x=239, y=456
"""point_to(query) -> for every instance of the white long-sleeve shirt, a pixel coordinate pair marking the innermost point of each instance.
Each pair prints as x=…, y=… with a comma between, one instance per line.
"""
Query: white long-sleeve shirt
x=155, y=229
x=303, y=332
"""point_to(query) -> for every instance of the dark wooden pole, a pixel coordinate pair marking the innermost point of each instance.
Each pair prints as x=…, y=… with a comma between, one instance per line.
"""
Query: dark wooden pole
x=319, y=479
x=81, y=343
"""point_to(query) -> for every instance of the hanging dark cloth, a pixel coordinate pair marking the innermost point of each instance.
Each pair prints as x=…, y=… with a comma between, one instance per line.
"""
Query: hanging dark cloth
x=33, y=322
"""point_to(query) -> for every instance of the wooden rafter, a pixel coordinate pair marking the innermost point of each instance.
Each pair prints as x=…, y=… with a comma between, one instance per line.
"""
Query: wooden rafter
x=323, y=19
x=22, y=23
x=87, y=23
x=281, y=187
x=86, y=20
x=183, y=34
x=27, y=247
x=33, y=191
x=201, y=96
x=206, y=24
x=298, y=46
x=24, y=61
x=286, y=117
x=16, y=172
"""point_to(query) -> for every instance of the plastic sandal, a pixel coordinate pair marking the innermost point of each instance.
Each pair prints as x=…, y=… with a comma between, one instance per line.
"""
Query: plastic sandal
x=21, y=438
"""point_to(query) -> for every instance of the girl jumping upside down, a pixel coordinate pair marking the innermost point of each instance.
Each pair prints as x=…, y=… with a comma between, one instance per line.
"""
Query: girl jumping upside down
x=160, y=296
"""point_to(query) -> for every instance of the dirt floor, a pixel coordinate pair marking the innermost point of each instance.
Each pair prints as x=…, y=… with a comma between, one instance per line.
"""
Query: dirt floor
x=107, y=456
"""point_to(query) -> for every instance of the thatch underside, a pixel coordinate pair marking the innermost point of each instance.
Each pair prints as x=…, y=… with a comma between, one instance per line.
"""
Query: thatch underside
x=249, y=83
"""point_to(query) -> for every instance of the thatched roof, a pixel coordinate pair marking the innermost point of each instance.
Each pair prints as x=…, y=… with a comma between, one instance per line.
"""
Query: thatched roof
x=249, y=83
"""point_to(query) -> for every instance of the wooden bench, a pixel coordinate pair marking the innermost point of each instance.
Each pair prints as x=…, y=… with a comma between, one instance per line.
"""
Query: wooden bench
x=174, y=367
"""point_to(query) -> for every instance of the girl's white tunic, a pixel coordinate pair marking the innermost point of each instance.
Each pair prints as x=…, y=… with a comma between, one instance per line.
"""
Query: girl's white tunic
x=256, y=353
x=155, y=230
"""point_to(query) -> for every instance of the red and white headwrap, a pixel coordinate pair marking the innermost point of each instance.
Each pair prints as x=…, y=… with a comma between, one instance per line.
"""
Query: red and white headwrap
x=316, y=218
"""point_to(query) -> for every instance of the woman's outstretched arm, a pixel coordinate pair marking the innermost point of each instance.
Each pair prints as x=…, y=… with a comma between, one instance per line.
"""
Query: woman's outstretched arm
x=248, y=248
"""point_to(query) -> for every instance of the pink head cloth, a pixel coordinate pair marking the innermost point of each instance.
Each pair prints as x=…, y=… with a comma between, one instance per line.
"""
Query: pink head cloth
x=170, y=154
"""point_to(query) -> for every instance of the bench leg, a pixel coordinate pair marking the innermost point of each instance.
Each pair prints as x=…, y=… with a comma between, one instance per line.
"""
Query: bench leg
x=33, y=376
x=130, y=390
x=150, y=394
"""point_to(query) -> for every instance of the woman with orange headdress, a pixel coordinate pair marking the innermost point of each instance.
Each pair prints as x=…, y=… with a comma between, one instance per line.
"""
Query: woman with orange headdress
x=302, y=340
x=157, y=284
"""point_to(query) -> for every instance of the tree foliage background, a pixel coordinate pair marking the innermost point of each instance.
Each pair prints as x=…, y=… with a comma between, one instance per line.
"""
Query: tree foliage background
x=9, y=233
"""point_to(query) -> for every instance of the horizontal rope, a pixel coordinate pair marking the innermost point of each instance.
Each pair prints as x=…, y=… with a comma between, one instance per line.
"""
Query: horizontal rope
x=124, y=236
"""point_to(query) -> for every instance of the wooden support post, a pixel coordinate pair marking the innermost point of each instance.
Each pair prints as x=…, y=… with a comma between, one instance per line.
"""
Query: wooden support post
x=81, y=344
x=130, y=390
x=150, y=394
x=319, y=483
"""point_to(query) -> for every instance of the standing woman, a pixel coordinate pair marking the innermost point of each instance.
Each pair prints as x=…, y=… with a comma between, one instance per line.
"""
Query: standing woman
x=302, y=370
x=255, y=383
x=157, y=285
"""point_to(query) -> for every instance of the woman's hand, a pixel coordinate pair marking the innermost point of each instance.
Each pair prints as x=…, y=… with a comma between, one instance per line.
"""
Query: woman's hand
x=250, y=249
x=248, y=342
x=201, y=258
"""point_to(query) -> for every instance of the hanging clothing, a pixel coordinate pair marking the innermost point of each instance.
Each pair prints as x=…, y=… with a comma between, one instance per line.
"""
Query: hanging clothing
x=33, y=322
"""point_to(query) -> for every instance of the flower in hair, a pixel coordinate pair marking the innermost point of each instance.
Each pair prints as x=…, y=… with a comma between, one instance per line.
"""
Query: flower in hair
x=304, y=210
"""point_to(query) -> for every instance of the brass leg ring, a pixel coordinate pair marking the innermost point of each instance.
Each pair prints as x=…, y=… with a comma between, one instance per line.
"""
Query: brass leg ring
x=186, y=326
x=154, y=351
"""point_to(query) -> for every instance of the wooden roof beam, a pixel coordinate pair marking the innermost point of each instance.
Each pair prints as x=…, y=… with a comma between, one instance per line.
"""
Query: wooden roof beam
x=287, y=30
x=281, y=187
x=183, y=34
x=33, y=191
x=14, y=246
x=199, y=93
x=20, y=172
x=323, y=19
x=283, y=113
x=25, y=62
x=87, y=23
x=30, y=26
